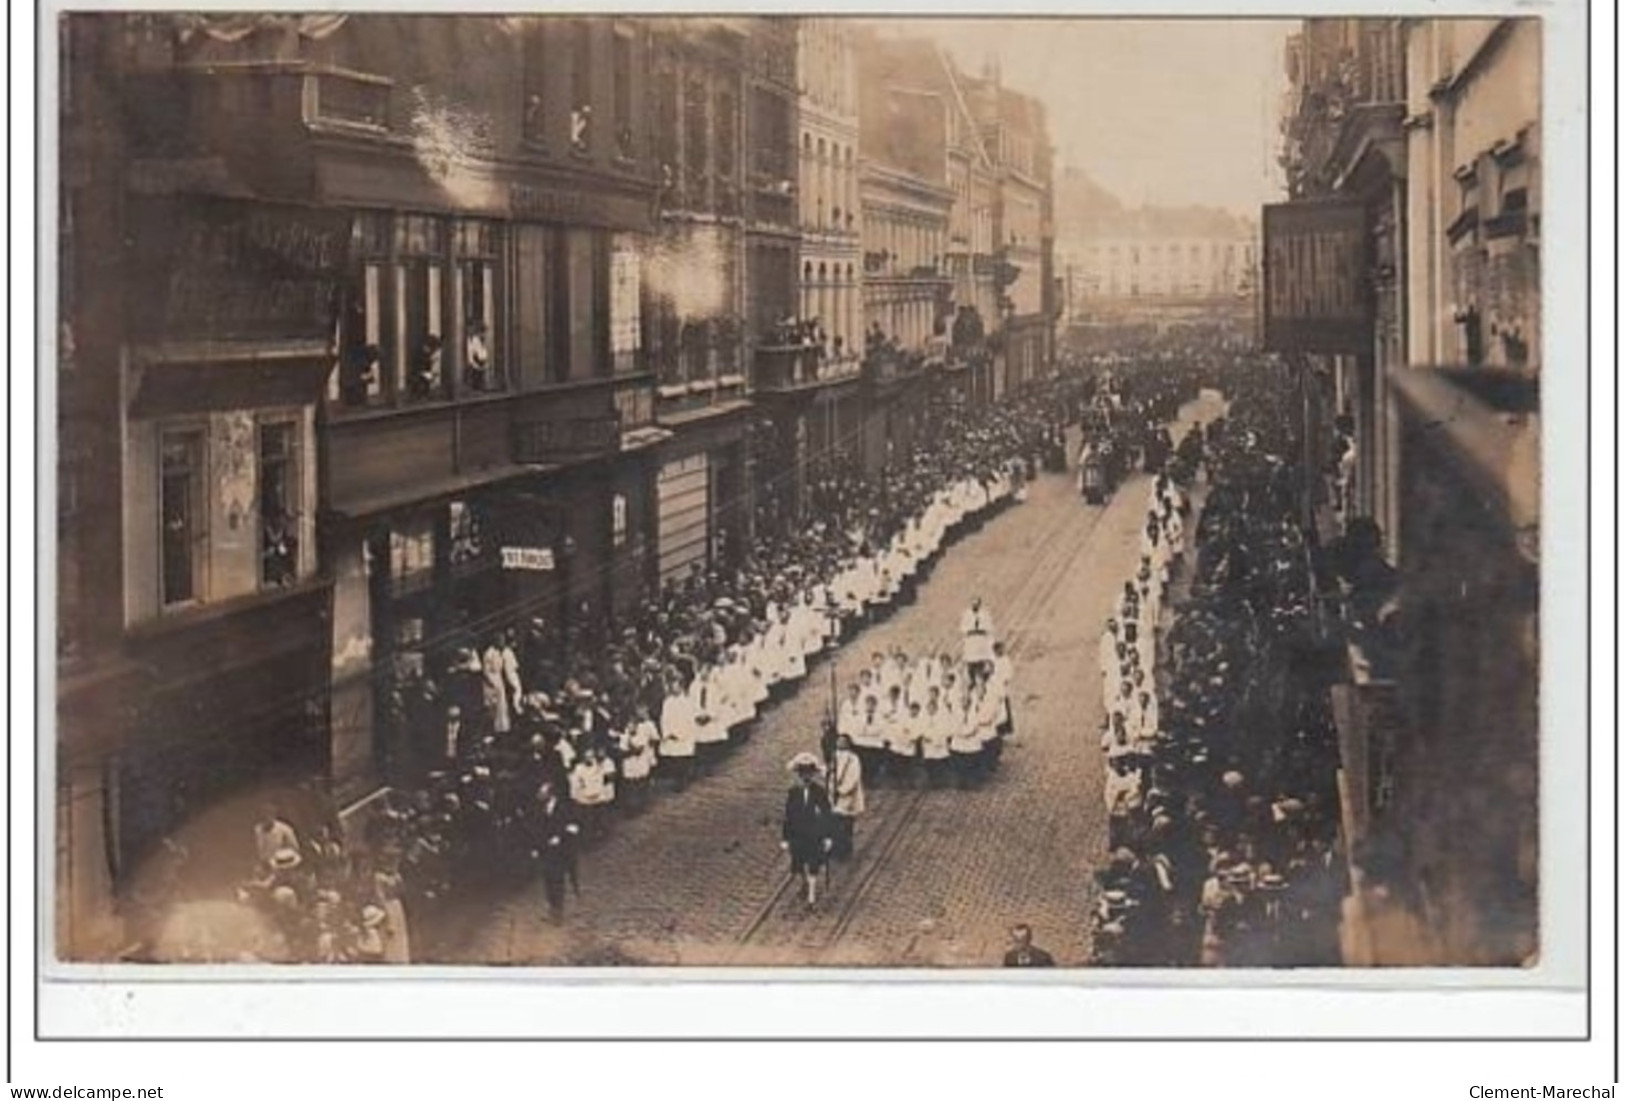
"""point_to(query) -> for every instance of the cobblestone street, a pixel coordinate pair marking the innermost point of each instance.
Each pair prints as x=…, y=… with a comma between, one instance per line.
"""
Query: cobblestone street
x=939, y=876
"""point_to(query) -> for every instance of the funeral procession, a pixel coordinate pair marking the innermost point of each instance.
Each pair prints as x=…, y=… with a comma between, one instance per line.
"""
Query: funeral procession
x=796, y=492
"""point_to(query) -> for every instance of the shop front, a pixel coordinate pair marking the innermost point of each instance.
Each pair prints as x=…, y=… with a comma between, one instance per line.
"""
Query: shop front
x=702, y=507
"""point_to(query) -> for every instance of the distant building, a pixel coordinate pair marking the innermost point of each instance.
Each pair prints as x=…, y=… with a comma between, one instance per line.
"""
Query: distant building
x=1015, y=133
x=1160, y=266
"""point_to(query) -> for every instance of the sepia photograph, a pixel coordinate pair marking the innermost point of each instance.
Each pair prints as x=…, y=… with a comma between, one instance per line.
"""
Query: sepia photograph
x=795, y=491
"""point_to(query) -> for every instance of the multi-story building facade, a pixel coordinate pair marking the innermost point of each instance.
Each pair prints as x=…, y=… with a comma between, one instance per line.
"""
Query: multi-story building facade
x=389, y=398
x=1431, y=129
x=831, y=257
x=807, y=371
x=1015, y=134
x=905, y=203
x=974, y=180
x=694, y=298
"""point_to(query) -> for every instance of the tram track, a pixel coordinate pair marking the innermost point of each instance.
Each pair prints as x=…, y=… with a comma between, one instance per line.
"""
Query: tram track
x=820, y=932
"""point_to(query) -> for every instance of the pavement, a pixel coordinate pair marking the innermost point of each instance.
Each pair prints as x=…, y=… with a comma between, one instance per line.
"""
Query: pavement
x=939, y=876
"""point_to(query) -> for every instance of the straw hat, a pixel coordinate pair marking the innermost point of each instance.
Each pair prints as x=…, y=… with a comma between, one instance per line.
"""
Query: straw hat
x=285, y=859
x=804, y=761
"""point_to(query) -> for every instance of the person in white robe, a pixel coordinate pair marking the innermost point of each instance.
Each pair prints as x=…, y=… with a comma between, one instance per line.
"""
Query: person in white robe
x=901, y=743
x=923, y=678
x=976, y=628
x=678, y=740
x=792, y=660
x=870, y=740
x=495, y=690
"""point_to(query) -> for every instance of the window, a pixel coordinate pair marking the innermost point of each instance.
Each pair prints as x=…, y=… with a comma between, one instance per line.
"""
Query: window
x=420, y=242
x=622, y=63
x=696, y=141
x=279, y=504
x=625, y=304
x=727, y=122
x=666, y=131
x=581, y=88
x=535, y=84
x=469, y=548
x=478, y=250
x=618, y=520
x=411, y=557
x=364, y=346
x=180, y=505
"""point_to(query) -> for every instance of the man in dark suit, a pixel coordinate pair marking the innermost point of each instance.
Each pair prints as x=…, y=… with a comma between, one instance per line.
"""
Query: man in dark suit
x=1023, y=953
x=554, y=834
x=808, y=824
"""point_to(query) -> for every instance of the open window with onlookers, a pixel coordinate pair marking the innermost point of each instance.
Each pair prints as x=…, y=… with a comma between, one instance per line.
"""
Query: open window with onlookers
x=478, y=247
x=279, y=503
x=581, y=97
x=623, y=62
x=420, y=242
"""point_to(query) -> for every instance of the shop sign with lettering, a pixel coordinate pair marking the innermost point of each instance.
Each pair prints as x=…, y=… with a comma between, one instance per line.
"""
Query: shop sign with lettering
x=1316, y=277
x=556, y=205
x=223, y=270
x=538, y=559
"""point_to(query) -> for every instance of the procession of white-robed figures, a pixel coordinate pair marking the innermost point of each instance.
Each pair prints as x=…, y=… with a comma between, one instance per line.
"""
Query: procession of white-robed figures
x=935, y=718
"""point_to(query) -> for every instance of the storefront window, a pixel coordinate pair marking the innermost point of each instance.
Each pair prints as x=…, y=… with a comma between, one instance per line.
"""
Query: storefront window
x=411, y=558
x=279, y=504
x=180, y=502
x=470, y=539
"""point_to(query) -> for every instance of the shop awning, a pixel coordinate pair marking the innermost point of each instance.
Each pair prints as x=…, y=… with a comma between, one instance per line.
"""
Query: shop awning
x=175, y=381
x=437, y=489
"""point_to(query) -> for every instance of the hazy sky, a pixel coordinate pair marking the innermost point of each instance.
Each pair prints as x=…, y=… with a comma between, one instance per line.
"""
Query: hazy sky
x=1158, y=111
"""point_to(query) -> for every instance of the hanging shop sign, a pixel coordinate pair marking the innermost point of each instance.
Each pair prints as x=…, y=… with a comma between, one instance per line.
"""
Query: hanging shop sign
x=1316, y=285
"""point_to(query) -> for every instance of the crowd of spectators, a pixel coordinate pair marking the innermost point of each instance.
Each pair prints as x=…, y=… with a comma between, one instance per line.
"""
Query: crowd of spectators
x=1224, y=802
x=634, y=709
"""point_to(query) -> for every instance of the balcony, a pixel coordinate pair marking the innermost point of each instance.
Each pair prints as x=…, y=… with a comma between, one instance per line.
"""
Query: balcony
x=786, y=368
x=635, y=403
x=889, y=365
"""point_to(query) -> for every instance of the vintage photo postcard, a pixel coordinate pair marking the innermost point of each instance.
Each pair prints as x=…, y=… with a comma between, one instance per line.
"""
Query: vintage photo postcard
x=797, y=492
